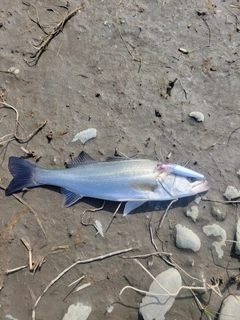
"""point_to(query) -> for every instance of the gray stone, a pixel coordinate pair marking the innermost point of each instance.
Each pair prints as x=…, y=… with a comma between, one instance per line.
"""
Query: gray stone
x=237, y=245
x=216, y=230
x=197, y=116
x=156, y=306
x=219, y=212
x=187, y=239
x=77, y=311
x=230, y=308
x=192, y=213
x=231, y=193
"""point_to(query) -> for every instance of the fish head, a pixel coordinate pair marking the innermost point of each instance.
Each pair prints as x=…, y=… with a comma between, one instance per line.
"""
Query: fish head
x=173, y=186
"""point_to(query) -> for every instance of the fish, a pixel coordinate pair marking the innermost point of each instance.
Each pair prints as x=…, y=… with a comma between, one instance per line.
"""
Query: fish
x=131, y=180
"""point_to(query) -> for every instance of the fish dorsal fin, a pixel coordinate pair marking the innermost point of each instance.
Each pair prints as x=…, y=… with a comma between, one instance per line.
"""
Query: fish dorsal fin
x=131, y=205
x=70, y=197
x=82, y=158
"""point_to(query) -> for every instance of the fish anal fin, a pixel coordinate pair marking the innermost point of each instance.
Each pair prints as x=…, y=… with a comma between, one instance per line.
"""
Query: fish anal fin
x=131, y=205
x=81, y=159
x=70, y=197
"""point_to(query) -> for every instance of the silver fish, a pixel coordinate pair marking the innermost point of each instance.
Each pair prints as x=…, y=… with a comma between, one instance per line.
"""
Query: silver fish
x=134, y=181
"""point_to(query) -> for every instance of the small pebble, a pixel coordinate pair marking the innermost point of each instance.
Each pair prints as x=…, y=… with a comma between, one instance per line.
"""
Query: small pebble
x=231, y=193
x=192, y=213
x=197, y=116
x=197, y=199
x=85, y=135
x=237, y=245
x=219, y=212
x=216, y=230
x=187, y=239
x=230, y=308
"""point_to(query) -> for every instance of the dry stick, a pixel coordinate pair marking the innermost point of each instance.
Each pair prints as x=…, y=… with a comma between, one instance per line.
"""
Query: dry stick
x=50, y=36
x=16, y=76
x=69, y=268
x=83, y=286
x=131, y=54
x=29, y=248
x=168, y=293
x=29, y=208
x=92, y=210
x=209, y=32
x=113, y=216
x=142, y=256
x=231, y=135
x=222, y=201
x=8, y=271
x=15, y=135
x=165, y=213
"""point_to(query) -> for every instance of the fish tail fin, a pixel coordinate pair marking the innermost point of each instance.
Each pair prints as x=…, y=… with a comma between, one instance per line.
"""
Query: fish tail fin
x=23, y=174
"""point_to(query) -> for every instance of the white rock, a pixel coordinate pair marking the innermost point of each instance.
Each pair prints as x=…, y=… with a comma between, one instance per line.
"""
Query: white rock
x=231, y=193
x=77, y=311
x=198, y=116
x=156, y=306
x=193, y=213
x=197, y=199
x=230, y=308
x=187, y=239
x=216, y=230
x=237, y=245
x=85, y=135
x=219, y=212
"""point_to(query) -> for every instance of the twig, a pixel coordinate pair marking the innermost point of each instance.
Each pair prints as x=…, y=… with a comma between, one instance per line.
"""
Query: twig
x=142, y=256
x=83, y=286
x=165, y=213
x=209, y=32
x=151, y=236
x=69, y=268
x=113, y=216
x=78, y=280
x=222, y=201
x=49, y=37
x=167, y=292
x=232, y=134
x=8, y=271
x=16, y=76
x=29, y=207
x=15, y=135
x=131, y=54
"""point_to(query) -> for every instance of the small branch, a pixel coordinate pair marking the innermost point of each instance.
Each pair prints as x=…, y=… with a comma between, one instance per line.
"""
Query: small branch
x=50, y=36
x=69, y=268
x=29, y=207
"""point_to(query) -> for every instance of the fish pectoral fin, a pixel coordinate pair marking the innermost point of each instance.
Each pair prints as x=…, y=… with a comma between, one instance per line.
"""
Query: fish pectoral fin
x=70, y=197
x=144, y=186
x=131, y=205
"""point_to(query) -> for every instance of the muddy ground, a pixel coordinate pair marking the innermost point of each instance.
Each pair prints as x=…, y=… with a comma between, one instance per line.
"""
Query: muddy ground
x=133, y=70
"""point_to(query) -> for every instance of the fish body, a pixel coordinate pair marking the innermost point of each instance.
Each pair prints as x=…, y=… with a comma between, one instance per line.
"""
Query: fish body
x=134, y=181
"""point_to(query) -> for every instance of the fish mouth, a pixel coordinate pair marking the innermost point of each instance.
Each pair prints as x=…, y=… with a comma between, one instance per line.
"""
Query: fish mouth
x=200, y=186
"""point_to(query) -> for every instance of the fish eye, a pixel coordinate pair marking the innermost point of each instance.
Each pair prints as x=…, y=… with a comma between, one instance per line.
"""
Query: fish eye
x=191, y=179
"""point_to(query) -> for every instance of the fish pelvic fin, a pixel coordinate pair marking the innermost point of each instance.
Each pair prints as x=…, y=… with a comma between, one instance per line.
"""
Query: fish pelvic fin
x=131, y=205
x=70, y=197
x=23, y=174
